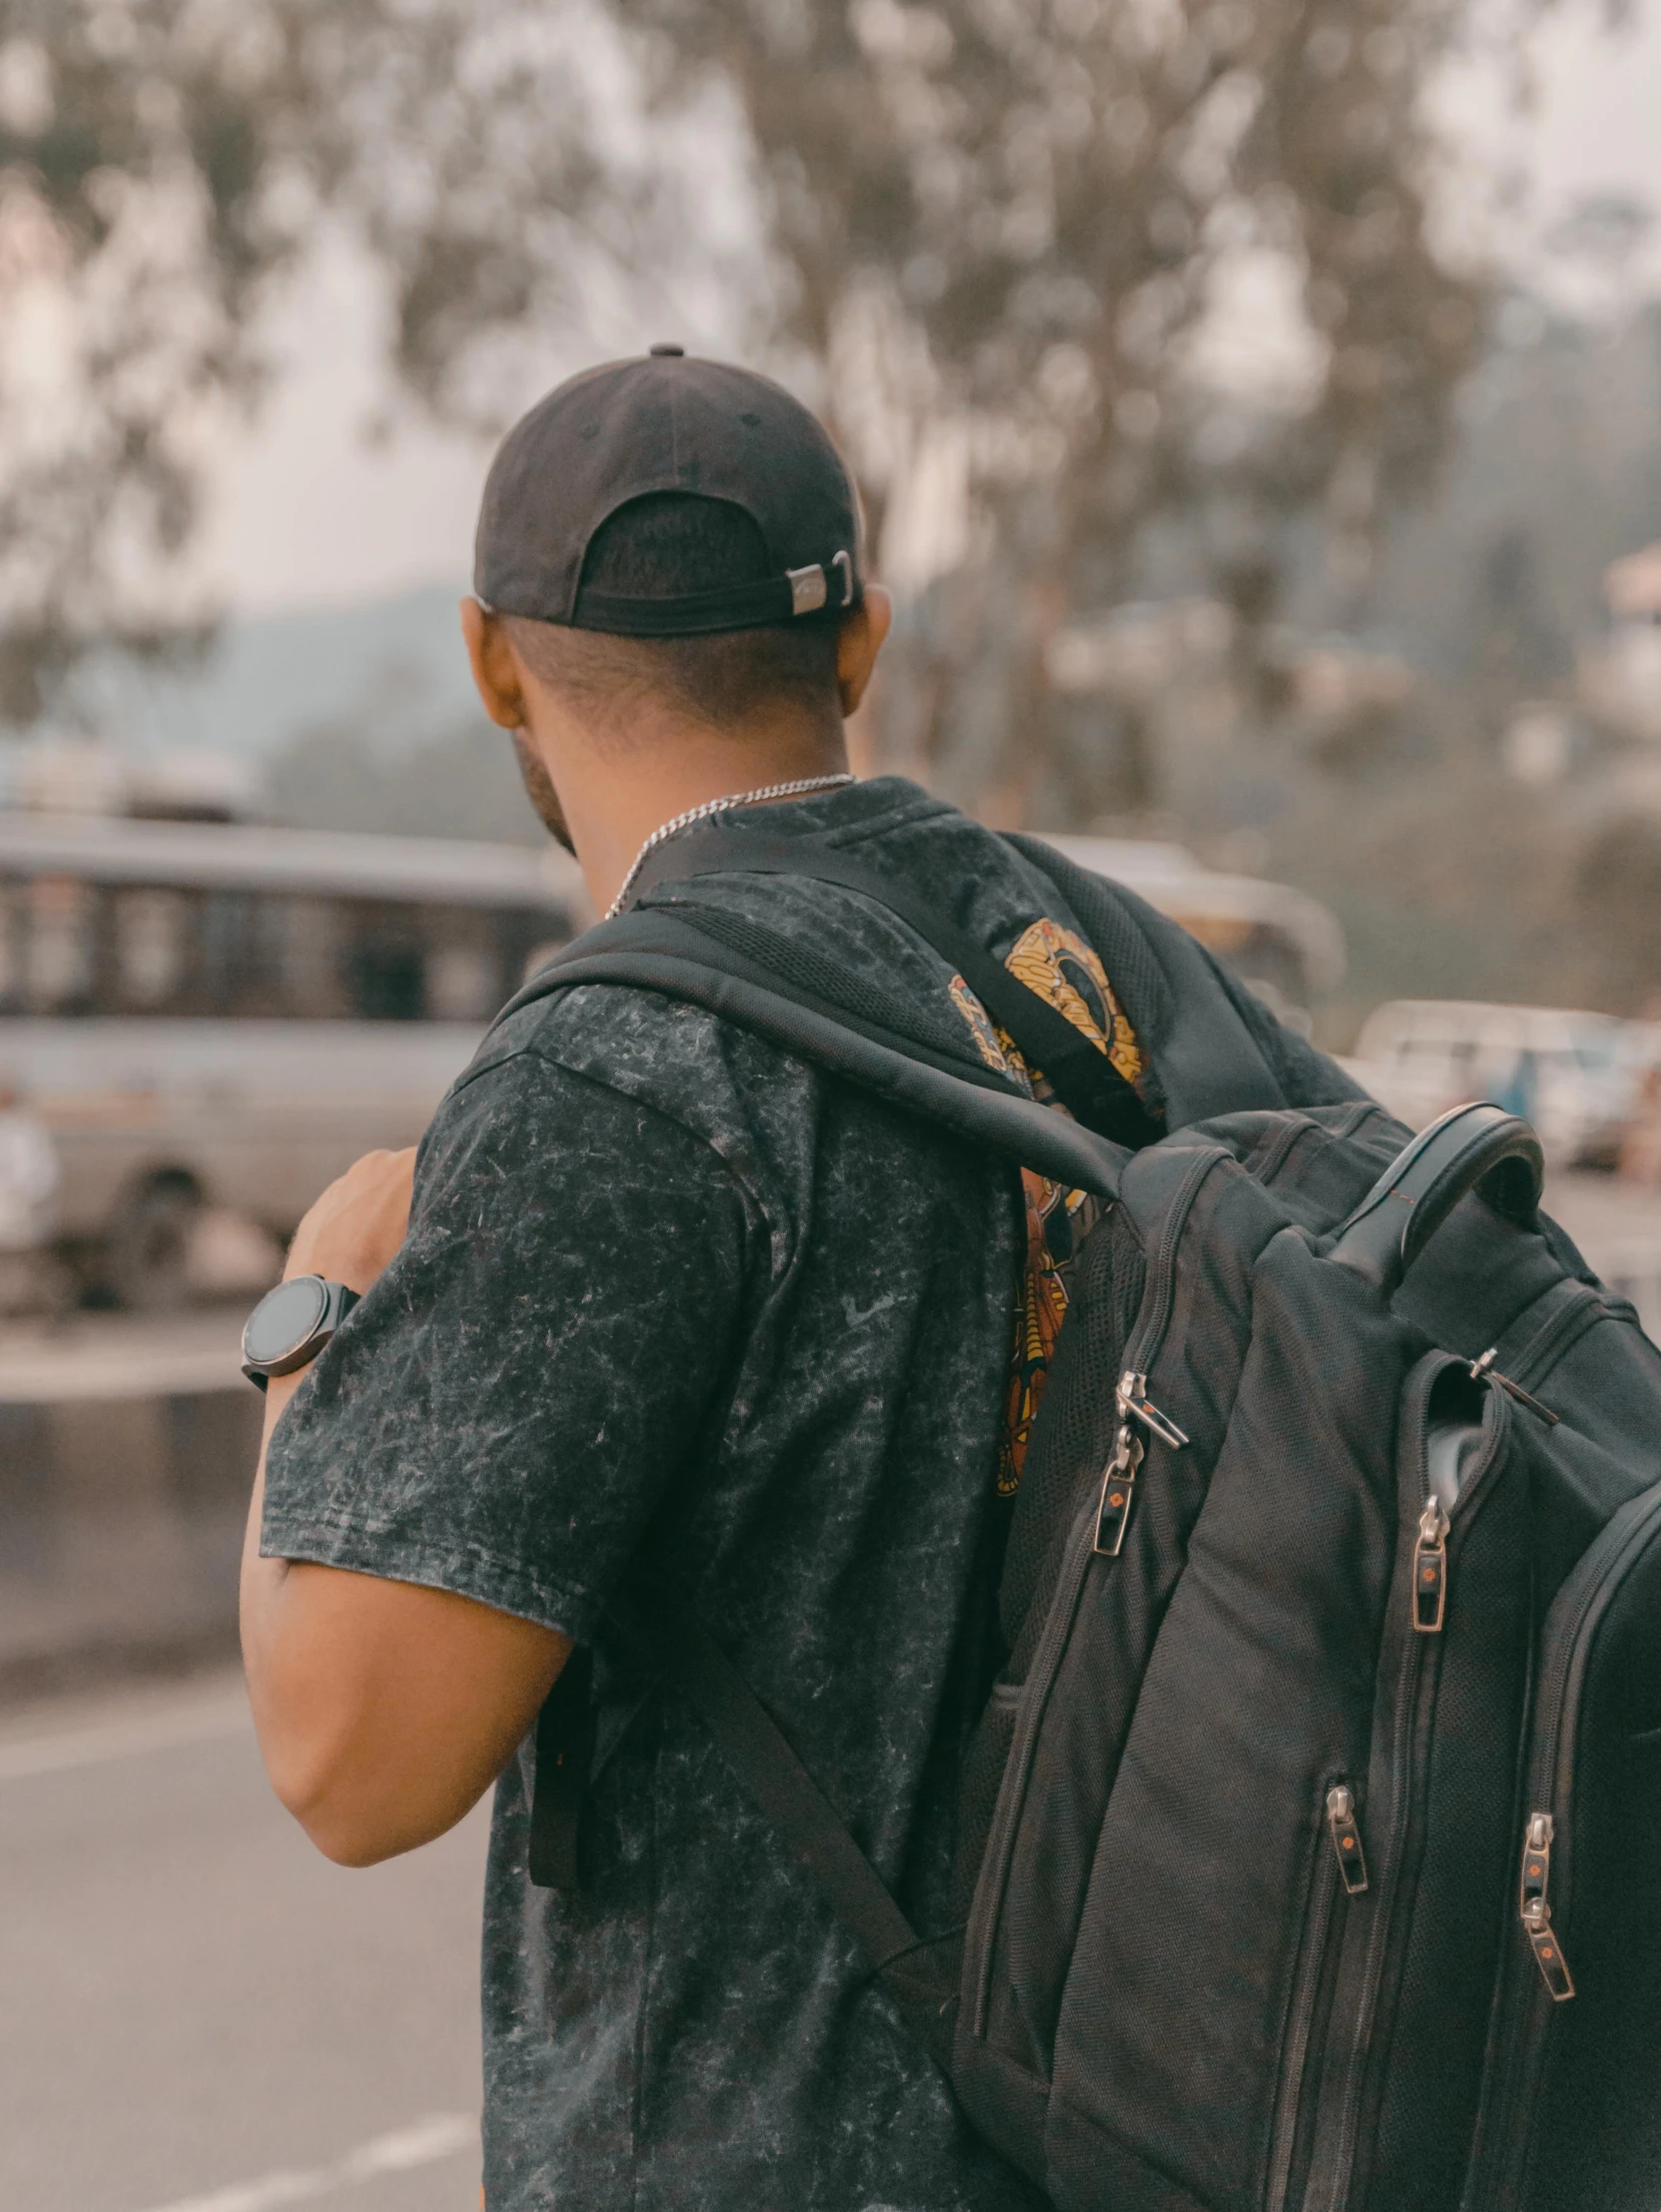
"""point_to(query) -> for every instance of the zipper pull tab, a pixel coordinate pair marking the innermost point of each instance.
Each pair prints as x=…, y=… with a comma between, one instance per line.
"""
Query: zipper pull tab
x=1484, y=1370
x=1135, y=1405
x=1113, y=1513
x=1430, y=1569
x=1346, y=1838
x=1534, y=1910
x=1119, y=1483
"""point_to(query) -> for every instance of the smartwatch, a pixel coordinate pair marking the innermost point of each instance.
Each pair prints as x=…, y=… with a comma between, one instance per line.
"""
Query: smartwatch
x=292, y=1324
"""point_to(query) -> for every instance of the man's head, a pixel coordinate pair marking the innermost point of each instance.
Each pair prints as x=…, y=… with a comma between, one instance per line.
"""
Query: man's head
x=668, y=592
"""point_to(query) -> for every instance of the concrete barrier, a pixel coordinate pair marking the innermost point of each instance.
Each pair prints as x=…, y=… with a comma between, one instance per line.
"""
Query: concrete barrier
x=126, y=1455
x=127, y=1448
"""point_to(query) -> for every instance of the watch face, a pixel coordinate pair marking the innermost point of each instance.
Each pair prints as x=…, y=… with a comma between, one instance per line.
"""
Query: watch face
x=285, y=1318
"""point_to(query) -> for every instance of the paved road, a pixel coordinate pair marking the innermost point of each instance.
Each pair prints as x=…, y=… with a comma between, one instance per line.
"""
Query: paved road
x=198, y=2013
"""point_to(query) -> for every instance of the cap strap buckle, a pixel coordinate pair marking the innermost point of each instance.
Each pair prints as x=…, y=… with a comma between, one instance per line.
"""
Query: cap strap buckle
x=808, y=590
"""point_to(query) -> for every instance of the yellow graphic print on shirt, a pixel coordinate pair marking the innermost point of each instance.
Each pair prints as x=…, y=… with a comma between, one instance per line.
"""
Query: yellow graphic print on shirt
x=1063, y=970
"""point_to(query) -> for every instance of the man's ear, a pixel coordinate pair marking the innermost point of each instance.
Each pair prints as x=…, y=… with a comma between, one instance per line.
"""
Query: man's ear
x=495, y=670
x=858, y=644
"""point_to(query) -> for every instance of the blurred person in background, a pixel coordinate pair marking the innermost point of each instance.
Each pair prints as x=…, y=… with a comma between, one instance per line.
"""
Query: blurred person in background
x=29, y=1177
x=1517, y=1090
x=658, y=1304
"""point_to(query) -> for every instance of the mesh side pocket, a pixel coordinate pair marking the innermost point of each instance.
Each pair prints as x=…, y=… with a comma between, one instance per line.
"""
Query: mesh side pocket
x=1073, y=1434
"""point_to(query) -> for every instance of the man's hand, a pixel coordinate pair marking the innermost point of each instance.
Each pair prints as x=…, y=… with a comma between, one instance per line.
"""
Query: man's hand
x=383, y=1709
x=357, y=1224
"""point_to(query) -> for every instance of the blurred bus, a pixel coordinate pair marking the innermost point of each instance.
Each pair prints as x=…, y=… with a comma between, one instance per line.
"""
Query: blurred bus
x=1284, y=944
x=218, y=1015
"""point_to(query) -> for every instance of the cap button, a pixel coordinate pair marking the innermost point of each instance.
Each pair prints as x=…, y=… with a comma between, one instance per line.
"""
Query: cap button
x=669, y=351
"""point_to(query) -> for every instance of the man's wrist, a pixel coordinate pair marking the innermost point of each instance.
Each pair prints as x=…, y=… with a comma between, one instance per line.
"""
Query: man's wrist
x=355, y=1269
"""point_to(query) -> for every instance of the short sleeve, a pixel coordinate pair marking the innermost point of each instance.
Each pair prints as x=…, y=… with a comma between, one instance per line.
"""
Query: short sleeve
x=502, y=1412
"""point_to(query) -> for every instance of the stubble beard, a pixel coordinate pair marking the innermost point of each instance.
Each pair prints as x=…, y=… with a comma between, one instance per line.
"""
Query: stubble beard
x=540, y=790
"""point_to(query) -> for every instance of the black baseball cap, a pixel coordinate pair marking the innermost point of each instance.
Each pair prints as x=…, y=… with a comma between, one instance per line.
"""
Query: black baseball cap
x=666, y=424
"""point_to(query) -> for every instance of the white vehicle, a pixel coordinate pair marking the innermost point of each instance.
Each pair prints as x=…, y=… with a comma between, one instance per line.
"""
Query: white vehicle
x=208, y=1015
x=1571, y=1075
x=215, y=1015
x=1287, y=946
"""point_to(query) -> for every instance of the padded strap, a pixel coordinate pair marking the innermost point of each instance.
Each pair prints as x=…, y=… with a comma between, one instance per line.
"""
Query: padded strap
x=1080, y=1074
x=650, y=950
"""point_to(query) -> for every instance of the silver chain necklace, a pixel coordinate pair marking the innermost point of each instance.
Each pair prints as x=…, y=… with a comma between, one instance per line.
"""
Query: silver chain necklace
x=794, y=789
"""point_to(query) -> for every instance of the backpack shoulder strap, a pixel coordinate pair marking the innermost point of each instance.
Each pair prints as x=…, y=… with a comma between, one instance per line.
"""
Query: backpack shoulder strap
x=1081, y=1076
x=765, y=1761
x=652, y=950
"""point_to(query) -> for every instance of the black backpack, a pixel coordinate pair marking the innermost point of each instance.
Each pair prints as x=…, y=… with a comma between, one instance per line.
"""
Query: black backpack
x=1312, y=1835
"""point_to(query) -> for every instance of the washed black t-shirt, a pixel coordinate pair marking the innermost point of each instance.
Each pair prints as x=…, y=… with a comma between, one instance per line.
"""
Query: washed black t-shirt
x=673, y=1296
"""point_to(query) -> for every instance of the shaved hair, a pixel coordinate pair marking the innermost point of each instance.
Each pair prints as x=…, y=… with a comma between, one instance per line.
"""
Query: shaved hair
x=648, y=548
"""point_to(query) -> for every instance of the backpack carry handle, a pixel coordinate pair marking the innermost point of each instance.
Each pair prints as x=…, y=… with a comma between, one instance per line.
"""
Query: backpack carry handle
x=1474, y=1147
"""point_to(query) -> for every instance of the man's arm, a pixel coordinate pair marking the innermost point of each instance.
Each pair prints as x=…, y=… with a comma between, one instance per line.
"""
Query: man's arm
x=384, y=1711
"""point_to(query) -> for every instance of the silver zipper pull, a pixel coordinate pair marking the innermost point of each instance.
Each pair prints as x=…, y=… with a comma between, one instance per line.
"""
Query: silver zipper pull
x=1346, y=1838
x=1535, y=1911
x=1430, y=1569
x=1484, y=1370
x=1112, y=1512
x=1135, y=1404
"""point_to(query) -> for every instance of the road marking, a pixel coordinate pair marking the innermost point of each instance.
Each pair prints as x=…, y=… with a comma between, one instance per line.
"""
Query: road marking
x=198, y=1723
x=440, y=2135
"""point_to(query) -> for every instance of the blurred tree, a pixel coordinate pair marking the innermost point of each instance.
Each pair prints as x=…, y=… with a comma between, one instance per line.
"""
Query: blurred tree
x=1141, y=256
x=161, y=161
x=1161, y=254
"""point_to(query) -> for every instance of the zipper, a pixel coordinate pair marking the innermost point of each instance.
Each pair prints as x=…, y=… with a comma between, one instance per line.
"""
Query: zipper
x=1117, y=1495
x=1346, y=1838
x=1161, y=1285
x=1411, y=1717
x=1081, y=1550
x=1500, y=2156
x=1118, y=1492
x=1430, y=1583
x=1267, y=1163
x=1535, y=1908
x=1339, y=1860
x=1484, y=1370
x=1575, y=1307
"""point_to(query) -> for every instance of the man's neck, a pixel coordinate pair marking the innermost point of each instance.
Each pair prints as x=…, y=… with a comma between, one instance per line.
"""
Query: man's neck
x=614, y=799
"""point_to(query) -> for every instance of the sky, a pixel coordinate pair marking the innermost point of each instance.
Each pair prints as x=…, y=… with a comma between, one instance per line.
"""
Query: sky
x=306, y=512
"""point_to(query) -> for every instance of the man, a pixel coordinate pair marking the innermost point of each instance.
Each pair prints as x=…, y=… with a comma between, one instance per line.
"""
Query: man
x=669, y=1302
